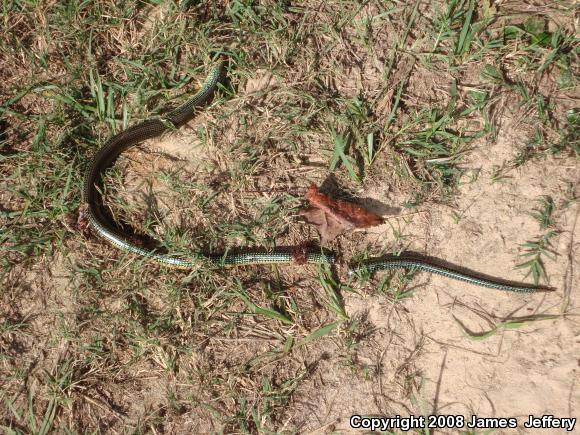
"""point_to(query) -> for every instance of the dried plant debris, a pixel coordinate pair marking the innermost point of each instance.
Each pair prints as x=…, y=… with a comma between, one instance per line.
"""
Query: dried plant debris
x=333, y=217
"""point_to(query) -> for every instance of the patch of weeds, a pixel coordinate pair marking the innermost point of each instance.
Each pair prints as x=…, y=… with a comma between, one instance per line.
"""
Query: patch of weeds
x=394, y=284
x=537, y=49
x=541, y=47
x=333, y=292
x=360, y=119
x=535, y=250
x=495, y=75
x=548, y=134
x=258, y=414
x=27, y=419
x=569, y=136
x=342, y=142
x=435, y=151
x=543, y=214
x=460, y=32
x=356, y=331
x=532, y=148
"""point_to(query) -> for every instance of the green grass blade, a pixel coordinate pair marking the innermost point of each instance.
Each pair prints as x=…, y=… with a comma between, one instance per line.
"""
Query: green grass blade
x=320, y=332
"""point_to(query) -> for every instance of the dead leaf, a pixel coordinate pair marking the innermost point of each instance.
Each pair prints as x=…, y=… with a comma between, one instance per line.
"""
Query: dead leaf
x=333, y=217
x=328, y=227
x=352, y=214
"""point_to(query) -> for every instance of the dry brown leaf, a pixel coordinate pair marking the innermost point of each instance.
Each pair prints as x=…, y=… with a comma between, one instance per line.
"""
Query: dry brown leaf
x=328, y=227
x=333, y=217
